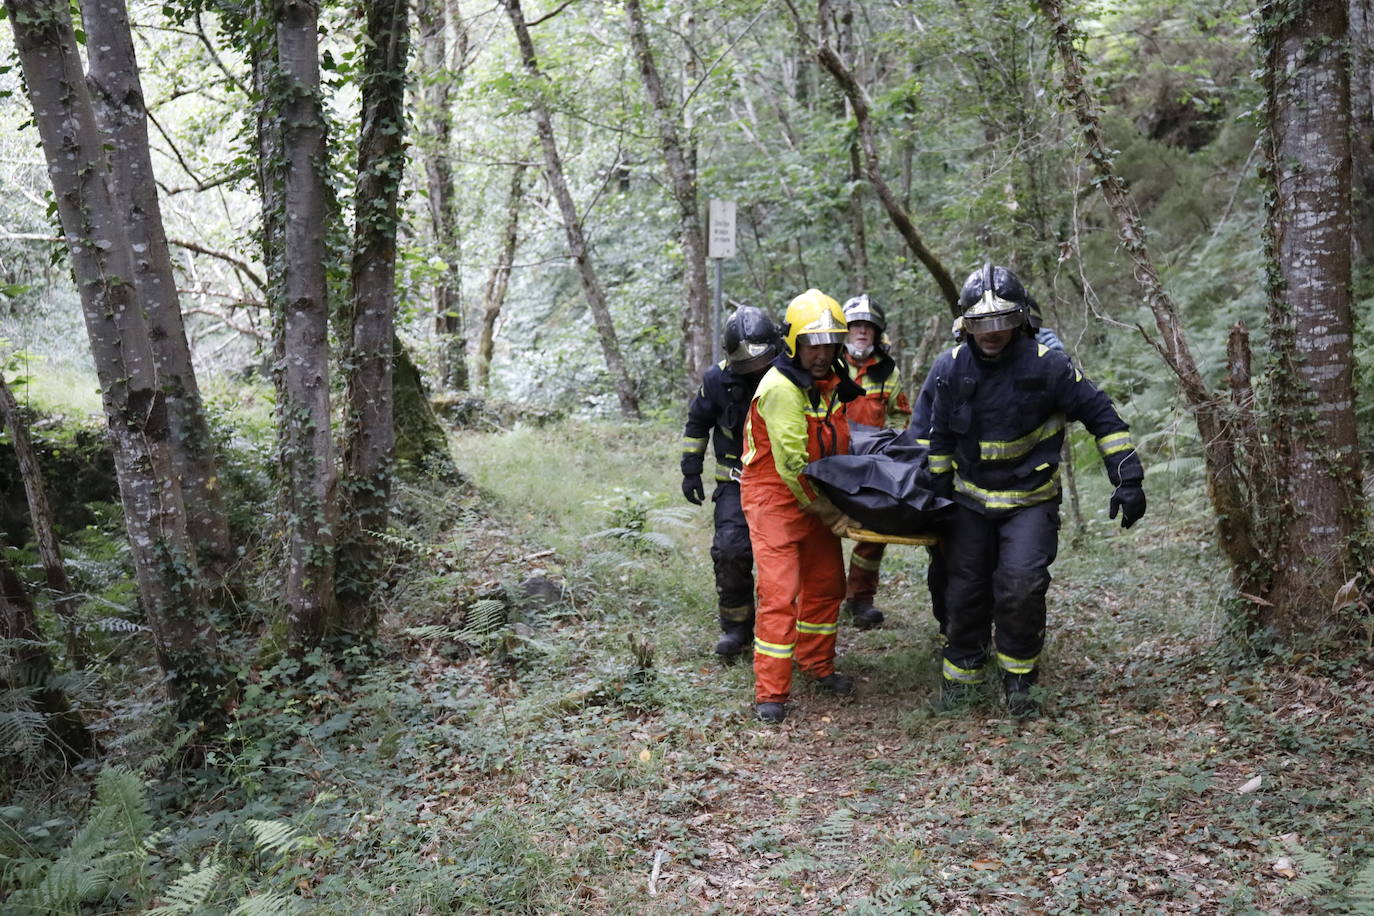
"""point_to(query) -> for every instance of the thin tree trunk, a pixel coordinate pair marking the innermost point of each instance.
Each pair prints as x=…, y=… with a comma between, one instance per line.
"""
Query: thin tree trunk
x=135, y=408
x=119, y=107
x=44, y=534
x=572, y=223
x=1311, y=326
x=1362, y=129
x=303, y=415
x=1235, y=500
x=494, y=297
x=858, y=230
x=858, y=100
x=270, y=176
x=435, y=127
x=697, y=325
x=32, y=669
x=370, y=450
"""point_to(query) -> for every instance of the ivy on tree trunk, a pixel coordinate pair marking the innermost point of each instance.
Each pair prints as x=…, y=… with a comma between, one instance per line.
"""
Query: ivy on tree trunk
x=307, y=447
x=370, y=448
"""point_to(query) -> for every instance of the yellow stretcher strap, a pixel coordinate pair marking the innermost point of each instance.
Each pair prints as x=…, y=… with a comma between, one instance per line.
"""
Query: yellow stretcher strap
x=873, y=537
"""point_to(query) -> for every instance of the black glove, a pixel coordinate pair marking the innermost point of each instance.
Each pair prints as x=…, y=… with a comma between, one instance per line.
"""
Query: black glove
x=692, y=489
x=1130, y=499
x=942, y=485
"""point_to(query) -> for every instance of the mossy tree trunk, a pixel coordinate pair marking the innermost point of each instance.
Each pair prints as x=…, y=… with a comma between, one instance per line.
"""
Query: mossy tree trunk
x=118, y=99
x=1312, y=429
x=421, y=443
x=44, y=532
x=135, y=406
x=439, y=71
x=370, y=448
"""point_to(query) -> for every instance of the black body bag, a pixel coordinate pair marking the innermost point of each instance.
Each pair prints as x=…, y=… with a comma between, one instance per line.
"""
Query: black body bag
x=884, y=483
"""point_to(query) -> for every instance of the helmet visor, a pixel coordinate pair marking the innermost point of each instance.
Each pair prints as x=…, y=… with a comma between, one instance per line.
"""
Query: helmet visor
x=751, y=356
x=1002, y=321
x=820, y=338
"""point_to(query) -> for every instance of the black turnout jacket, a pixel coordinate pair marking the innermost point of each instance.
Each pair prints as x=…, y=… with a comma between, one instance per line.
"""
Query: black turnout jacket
x=997, y=425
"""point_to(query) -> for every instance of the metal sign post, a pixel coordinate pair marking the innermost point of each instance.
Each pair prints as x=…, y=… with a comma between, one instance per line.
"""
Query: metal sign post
x=720, y=245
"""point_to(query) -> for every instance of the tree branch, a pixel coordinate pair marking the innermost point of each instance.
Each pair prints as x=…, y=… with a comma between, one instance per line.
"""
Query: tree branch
x=858, y=101
x=531, y=23
x=242, y=265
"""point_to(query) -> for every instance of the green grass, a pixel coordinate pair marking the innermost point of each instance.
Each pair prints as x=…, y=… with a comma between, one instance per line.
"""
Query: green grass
x=50, y=388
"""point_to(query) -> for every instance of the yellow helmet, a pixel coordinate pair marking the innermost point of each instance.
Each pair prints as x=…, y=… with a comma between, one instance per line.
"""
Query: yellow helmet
x=815, y=316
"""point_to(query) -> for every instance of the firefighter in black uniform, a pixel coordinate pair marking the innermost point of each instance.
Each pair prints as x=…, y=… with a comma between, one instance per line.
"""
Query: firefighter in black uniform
x=920, y=420
x=719, y=410
x=1001, y=404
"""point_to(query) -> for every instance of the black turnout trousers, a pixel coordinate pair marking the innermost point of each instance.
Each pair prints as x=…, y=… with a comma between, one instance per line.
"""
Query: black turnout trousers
x=998, y=571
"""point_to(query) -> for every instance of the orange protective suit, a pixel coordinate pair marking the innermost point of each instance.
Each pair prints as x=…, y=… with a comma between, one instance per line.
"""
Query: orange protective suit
x=793, y=420
x=882, y=404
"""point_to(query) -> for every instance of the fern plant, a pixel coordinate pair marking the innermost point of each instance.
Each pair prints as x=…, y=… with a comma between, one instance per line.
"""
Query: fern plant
x=191, y=891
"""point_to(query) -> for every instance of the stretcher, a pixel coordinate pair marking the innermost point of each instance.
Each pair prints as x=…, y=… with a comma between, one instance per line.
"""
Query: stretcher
x=874, y=537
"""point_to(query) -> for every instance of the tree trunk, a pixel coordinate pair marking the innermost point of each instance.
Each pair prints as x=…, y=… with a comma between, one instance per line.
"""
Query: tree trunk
x=495, y=294
x=421, y=443
x=135, y=407
x=370, y=450
x=119, y=106
x=270, y=175
x=40, y=514
x=1312, y=331
x=303, y=416
x=1362, y=129
x=572, y=223
x=31, y=668
x=858, y=100
x=697, y=324
x=434, y=123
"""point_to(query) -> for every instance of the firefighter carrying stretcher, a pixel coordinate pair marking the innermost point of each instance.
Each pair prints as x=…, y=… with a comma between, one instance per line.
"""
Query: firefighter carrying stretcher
x=797, y=417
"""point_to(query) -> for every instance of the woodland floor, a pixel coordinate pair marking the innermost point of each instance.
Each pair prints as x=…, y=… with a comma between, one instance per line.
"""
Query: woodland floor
x=547, y=731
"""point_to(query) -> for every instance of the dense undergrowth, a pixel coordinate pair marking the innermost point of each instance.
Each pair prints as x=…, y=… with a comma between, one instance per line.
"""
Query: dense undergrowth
x=544, y=730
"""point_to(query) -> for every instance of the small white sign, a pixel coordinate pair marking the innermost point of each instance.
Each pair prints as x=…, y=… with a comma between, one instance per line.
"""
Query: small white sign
x=721, y=229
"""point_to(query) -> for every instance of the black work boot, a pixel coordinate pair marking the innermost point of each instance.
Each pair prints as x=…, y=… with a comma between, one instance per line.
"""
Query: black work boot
x=735, y=636
x=772, y=713
x=865, y=615
x=836, y=683
x=1021, y=699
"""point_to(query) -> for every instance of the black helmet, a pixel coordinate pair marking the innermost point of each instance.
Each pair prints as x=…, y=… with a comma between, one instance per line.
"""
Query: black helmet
x=751, y=340
x=992, y=299
x=862, y=308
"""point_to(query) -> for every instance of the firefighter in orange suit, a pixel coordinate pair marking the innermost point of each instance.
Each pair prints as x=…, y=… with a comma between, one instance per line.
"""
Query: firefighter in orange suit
x=796, y=417
x=882, y=404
